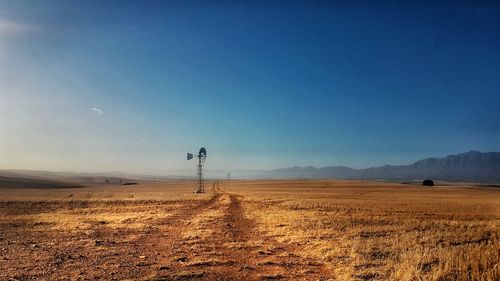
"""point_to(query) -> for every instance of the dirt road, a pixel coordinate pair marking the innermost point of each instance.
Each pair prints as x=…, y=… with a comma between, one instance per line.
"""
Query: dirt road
x=235, y=250
x=204, y=240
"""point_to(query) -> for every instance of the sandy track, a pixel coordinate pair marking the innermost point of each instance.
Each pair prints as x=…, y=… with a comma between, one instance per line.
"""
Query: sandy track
x=203, y=240
x=235, y=250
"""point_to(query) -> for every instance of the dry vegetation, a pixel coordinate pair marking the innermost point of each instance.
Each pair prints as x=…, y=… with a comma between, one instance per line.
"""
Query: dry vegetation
x=380, y=231
x=251, y=230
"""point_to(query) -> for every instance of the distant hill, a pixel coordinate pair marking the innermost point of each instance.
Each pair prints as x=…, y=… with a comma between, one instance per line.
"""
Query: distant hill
x=470, y=166
x=19, y=182
x=49, y=179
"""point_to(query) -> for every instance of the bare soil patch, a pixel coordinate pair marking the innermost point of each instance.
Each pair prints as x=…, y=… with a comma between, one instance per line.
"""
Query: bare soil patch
x=251, y=230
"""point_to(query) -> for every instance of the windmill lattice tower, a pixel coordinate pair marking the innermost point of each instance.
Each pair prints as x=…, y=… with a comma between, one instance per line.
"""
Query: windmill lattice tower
x=202, y=156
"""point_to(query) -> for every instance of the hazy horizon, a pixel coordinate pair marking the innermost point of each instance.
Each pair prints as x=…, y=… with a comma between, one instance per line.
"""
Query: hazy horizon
x=131, y=87
x=214, y=173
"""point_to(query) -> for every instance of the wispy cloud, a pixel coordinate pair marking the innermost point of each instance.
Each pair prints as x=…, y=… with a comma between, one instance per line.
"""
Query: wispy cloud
x=97, y=110
x=9, y=27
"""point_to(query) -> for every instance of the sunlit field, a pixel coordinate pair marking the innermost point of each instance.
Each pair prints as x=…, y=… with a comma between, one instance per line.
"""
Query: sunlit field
x=251, y=230
x=367, y=231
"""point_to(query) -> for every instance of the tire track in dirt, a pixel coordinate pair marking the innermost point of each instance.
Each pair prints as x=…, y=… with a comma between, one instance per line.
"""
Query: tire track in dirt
x=206, y=240
x=161, y=239
x=236, y=250
x=271, y=259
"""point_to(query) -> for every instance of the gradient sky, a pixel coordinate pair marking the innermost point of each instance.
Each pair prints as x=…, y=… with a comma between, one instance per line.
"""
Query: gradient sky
x=133, y=86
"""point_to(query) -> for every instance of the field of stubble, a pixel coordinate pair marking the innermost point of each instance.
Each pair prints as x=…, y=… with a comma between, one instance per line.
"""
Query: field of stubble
x=251, y=230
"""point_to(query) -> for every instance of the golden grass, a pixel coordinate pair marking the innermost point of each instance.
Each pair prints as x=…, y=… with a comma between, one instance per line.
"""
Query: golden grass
x=378, y=231
x=75, y=209
x=360, y=230
x=199, y=226
x=114, y=216
x=161, y=190
x=74, y=220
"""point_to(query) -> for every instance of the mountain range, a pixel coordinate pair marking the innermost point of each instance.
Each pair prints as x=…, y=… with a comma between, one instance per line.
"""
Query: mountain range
x=471, y=166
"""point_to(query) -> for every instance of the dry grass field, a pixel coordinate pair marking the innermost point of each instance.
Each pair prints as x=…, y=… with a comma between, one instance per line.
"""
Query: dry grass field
x=251, y=230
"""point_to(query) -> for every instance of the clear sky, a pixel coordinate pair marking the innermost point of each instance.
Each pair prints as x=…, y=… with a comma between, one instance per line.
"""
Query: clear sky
x=133, y=86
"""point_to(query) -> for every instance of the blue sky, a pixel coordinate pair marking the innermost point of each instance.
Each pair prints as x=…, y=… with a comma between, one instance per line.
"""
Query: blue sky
x=132, y=86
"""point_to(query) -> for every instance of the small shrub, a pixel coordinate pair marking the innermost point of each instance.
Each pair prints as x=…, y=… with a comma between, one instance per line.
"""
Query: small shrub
x=428, y=183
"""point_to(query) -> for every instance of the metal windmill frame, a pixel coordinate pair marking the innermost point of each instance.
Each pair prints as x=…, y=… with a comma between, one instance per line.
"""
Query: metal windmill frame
x=202, y=156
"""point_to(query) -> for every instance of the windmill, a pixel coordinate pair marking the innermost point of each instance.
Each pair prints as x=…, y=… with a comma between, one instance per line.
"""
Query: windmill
x=202, y=156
